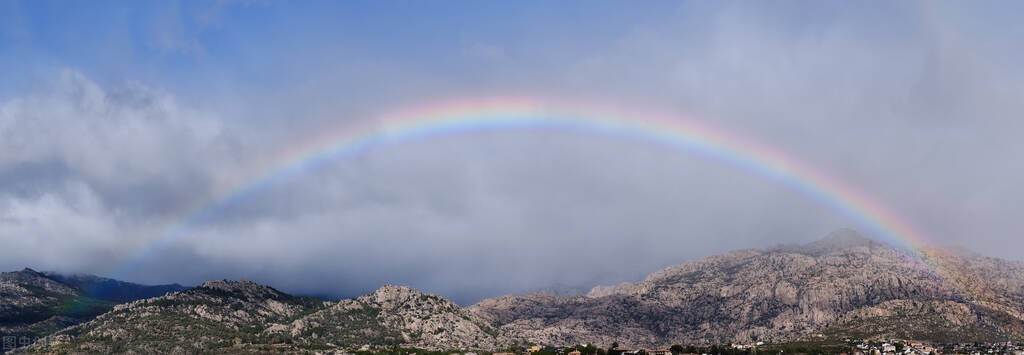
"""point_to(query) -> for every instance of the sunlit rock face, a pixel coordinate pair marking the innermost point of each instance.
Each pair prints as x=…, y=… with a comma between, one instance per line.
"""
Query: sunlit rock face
x=785, y=293
x=401, y=315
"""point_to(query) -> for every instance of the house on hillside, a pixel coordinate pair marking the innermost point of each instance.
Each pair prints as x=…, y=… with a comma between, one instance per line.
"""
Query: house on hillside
x=659, y=352
x=575, y=352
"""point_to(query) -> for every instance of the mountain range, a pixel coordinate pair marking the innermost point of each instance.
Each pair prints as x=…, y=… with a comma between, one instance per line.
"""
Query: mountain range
x=841, y=287
x=35, y=304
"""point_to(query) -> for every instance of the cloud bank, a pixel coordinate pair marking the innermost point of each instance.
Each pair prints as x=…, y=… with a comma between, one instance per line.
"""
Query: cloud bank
x=917, y=104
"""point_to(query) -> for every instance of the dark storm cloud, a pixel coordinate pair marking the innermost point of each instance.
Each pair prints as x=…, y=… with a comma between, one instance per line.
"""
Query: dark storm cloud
x=917, y=104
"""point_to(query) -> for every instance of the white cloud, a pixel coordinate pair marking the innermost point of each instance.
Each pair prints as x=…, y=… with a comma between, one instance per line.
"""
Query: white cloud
x=917, y=105
x=124, y=138
x=91, y=171
x=68, y=229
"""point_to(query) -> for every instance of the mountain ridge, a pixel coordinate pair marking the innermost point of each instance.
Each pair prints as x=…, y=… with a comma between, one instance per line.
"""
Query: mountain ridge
x=777, y=294
x=34, y=304
x=840, y=287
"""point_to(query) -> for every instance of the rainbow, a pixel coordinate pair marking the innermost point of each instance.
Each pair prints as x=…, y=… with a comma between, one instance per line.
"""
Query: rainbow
x=500, y=114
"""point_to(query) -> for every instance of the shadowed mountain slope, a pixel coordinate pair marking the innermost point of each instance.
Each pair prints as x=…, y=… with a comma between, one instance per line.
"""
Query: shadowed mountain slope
x=34, y=304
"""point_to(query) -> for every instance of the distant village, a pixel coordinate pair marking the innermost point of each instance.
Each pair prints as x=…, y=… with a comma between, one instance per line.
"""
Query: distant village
x=854, y=347
x=851, y=346
x=913, y=347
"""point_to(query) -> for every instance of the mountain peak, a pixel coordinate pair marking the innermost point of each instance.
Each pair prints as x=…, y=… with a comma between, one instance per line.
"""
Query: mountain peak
x=29, y=270
x=246, y=288
x=232, y=285
x=394, y=293
x=391, y=288
x=34, y=278
x=25, y=273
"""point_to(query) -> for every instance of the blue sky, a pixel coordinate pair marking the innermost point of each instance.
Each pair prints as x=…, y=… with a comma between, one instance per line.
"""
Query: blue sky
x=188, y=46
x=116, y=115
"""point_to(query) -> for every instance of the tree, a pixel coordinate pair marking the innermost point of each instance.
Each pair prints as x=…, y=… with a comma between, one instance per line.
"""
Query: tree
x=676, y=349
x=588, y=349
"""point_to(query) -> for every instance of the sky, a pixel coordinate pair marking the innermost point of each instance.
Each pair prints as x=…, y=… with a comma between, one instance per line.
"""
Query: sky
x=117, y=118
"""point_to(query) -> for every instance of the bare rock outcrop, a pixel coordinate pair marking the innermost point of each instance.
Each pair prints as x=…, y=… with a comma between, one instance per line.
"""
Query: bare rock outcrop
x=779, y=294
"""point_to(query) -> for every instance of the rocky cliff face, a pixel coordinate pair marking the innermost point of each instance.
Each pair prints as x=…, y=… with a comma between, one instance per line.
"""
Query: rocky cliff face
x=936, y=321
x=242, y=316
x=994, y=288
x=215, y=315
x=781, y=294
x=396, y=315
x=33, y=304
x=27, y=290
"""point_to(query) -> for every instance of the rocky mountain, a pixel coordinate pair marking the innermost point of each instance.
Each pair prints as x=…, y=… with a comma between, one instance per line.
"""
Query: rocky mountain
x=842, y=285
x=113, y=290
x=33, y=303
x=242, y=316
x=395, y=315
x=215, y=315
